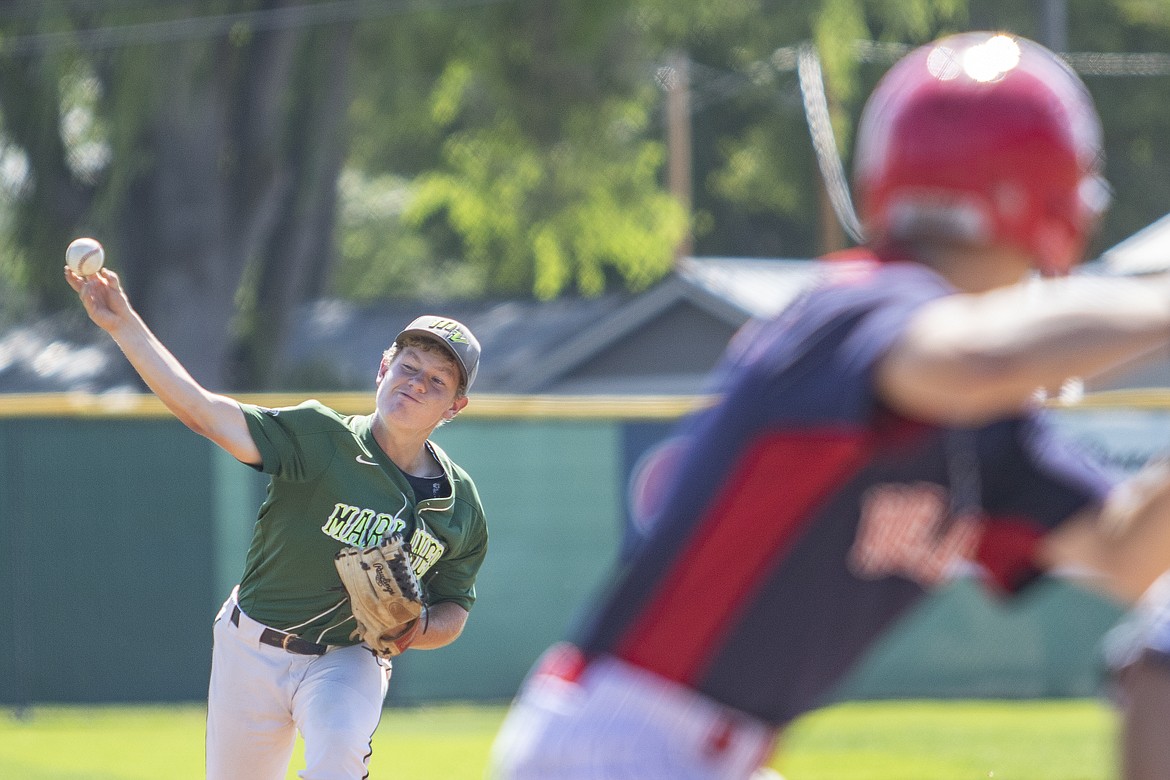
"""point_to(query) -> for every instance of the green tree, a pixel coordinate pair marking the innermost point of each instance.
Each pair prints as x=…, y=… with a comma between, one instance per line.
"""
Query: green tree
x=246, y=159
x=755, y=173
x=526, y=148
x=527, y=131
x=1130, y=94
x=202, y=150
x=757, y=185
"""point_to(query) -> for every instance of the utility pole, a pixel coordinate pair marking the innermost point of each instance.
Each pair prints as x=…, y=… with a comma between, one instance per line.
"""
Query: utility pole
x=830, y=234
x=678, y=141
x=1053, y=24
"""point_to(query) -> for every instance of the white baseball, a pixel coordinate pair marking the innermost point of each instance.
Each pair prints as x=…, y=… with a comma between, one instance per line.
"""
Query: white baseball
x=85, y=256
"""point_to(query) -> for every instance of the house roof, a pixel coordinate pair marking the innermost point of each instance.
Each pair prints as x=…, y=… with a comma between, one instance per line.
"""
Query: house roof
x=62, y=353
x=754, y=287
x=716, y=295
x=664, y=340
x=534, y=347
x=337, y=345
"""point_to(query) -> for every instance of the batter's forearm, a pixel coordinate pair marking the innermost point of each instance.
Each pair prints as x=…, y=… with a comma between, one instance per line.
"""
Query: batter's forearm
x=967, y=359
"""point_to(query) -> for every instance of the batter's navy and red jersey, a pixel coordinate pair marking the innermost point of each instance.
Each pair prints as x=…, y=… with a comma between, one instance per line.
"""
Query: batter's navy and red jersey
x=803, y=517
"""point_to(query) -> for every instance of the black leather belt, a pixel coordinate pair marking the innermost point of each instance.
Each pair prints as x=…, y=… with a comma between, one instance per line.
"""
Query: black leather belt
x=290, y=642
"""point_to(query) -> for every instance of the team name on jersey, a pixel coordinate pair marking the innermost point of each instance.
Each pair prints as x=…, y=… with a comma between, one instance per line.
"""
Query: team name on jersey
x=903, y=532
x=353, y=525
x=425, y=549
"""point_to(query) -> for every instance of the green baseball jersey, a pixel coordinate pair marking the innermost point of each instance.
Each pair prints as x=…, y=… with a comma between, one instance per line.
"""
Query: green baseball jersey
x=331, y=487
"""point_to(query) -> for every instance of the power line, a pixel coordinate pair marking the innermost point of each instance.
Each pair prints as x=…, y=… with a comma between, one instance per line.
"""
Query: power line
x=1105, y=64
x=719, y=84
x=1086, y=63
x=198, y=27
x=804, y=60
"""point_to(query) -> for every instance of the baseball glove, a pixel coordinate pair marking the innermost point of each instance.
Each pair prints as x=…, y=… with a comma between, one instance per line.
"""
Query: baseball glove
x=384, y=594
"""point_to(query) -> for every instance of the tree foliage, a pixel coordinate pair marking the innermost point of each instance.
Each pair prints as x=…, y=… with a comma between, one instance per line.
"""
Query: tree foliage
x=530, y=134
x=241, y=157
x=208, y=169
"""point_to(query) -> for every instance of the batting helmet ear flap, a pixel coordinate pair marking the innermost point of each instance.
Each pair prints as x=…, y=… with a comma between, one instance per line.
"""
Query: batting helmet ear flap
x=983, y=138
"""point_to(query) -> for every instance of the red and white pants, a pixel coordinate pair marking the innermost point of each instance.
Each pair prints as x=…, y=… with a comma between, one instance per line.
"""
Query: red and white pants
x=610, y=720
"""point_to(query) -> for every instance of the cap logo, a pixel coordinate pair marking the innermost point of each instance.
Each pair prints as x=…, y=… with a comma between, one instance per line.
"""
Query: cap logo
x=455, y=336
x=453, y=333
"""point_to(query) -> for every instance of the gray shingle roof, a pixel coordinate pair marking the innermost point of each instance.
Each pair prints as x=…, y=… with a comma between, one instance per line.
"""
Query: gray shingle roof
x=663, y=340
x=759, y=288
x=528, y=346
x=62, y=353
x=340, y=343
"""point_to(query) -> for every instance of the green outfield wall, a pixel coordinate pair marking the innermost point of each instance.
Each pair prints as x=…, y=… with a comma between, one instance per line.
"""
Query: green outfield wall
x=121, y=532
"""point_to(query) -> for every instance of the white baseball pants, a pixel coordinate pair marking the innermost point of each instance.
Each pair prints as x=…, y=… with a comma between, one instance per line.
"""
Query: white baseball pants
x=260, y=696
x=618, y=722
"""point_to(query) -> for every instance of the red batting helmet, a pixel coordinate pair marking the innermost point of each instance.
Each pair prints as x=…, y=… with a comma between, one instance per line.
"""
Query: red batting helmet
x=985, y=138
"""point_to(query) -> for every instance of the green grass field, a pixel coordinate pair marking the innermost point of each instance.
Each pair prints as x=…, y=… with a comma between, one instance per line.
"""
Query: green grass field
x=927, y=740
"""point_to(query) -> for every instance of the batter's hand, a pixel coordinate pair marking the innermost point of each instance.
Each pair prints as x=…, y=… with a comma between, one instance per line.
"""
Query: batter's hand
x=103, y=298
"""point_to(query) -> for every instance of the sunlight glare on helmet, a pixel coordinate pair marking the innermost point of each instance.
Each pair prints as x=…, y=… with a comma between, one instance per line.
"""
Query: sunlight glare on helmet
x=990, y=60
x=943, y=63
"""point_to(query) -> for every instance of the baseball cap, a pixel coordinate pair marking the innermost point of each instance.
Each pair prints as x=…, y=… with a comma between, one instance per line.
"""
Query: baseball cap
x=453, y=335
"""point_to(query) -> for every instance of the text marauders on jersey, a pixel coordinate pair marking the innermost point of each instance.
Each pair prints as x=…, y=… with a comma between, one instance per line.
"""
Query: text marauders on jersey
x=352, y=525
